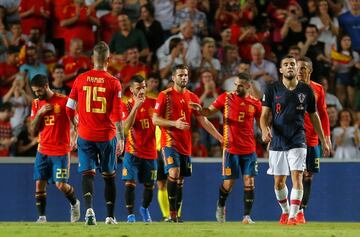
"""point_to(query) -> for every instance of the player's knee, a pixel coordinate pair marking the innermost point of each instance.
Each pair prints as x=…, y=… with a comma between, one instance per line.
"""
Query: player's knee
x=89, y=173
x=61, y=186
x=161, y=185
x=149, y=186
x=130, y=183
x=308, y=175
x=107, y=176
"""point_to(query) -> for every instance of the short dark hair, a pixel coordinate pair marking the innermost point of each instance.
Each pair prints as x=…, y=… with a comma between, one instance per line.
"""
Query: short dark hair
x=287, y=57
x=136, y=79
x=306, y=59
x=294, y=47
x=179, y=67
x=7, y=106
x=150, y=8
x=312, y=26
x=174, y=42
x=39, y=80
x=244, y=76
x=58, y=66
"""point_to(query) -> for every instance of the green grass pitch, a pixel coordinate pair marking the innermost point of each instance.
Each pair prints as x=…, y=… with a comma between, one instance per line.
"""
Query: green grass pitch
x=187, y=229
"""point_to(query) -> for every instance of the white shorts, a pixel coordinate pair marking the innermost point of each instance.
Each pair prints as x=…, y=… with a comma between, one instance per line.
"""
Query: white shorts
x=282, y=162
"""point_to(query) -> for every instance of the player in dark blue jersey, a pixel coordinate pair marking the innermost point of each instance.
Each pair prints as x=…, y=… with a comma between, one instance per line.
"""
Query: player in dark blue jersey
x=284, y=105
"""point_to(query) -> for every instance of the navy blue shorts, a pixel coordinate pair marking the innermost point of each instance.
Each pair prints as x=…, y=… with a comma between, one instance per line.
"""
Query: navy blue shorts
x=232, y=163
x=313, y=159
x=52, y=168
x=97, y=155
x=135, y=168
x=173, y=159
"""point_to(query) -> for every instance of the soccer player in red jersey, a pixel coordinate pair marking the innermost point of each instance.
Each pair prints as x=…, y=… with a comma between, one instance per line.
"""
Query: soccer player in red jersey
x=140, y=149
x=312, y=139
x=173, y=115
x=240, y=110
x=52, y=161
x=96, y=95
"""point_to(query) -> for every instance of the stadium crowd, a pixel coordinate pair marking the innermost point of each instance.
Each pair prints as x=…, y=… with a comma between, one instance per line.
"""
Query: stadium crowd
x=217, y=39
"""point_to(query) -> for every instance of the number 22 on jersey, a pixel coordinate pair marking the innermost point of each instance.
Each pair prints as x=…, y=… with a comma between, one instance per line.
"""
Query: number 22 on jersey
x=92, y=95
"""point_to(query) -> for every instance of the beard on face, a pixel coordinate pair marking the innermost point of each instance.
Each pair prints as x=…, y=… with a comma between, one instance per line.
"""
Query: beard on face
x=290, y=76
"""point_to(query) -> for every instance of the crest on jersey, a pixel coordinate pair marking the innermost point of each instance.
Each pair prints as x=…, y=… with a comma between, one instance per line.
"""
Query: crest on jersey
x=56, y=108
x=301, y=97
x=251, y=109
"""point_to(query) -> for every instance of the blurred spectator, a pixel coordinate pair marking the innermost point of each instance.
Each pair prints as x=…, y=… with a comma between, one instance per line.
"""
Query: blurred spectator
x=326, y=23
x=225, y=40
x=16, y=36
x=8, y=70
x=152, y=30
x=346, y=137
x=58, y=78
x=36, y=40
x=208, y=50
x=34, y=14
x=333, y=116
x=153, y=85
x=132, y=67
x=293, y=29
x=27, y=143
x=248, y=11
x=215, y=151
x=226, y=14
x=20, y=101
x=109, y=22
x=58, y=31
x=198, y=148
x=4, y=42
x=190, y=42
x=190, y=12
x=32, y=64
x=164, y=13
x=176, y=57
x=6, y=137
x=127, y=37
x=230, y=63
x=132, y=9
x=12, y=10
x=207, y=93
x=315, y=50
x=78, y=20
x=73, y=61
x=228, y=82
x=295, y=51
x=262, y=71
x=349, y=22
x=345, y=62
x=330, y=99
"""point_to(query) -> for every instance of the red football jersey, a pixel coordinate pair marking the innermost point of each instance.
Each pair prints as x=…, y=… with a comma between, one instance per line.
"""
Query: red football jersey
x=239, y=114
x=81, y=29
x=140, y=140
x=36, y=19
x=98, y=96
x=311, y=136
x=72, y=64
x=54, y=136
x=172, y=105
x=108, y=26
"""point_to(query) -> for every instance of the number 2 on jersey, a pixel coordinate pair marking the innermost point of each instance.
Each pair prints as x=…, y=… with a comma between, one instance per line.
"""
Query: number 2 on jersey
x=241, y=116
x=94, y=91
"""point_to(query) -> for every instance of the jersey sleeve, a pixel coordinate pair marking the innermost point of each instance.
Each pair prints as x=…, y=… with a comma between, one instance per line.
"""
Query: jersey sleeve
x=160, y=104
x=311, y=104
x=74, y=93
x=124, y=111
x=195, y=99
x=258, y=109
x=268, y=96
x=34, y=109
x=321, y=106
x=219, y=102
x=116, y=112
